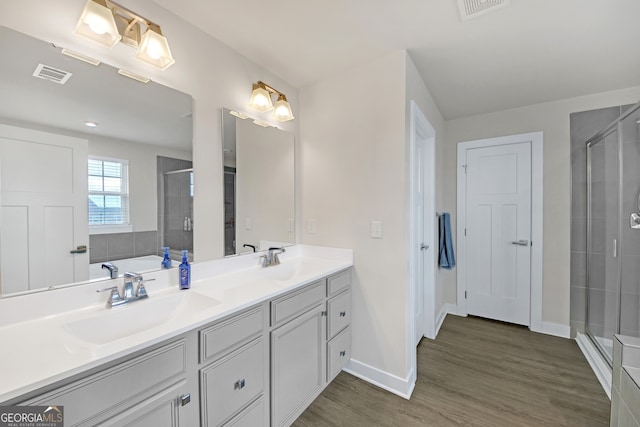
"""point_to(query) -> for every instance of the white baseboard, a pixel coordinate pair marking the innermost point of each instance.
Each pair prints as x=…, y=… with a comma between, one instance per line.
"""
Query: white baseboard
x=596, y=361
x=392, y=383
x=555, y=329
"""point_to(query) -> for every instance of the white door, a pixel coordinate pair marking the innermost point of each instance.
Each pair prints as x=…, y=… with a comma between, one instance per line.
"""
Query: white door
x=498, y=232
x=423, y=223
x=422, y=246
x=43, y=213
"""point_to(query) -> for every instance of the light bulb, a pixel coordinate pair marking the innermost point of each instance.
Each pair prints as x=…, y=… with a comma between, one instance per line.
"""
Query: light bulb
x=154, y=50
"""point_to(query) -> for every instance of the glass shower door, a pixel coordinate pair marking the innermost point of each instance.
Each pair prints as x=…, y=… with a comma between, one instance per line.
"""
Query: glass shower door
x=603, y=277
x=630, y=226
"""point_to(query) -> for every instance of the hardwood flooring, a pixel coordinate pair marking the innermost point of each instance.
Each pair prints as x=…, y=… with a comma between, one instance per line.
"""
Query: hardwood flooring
x=477, y=372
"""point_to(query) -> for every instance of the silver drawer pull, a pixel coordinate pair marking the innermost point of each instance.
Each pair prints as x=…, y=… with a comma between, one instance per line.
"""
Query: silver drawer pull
x=343, y=353
x=185, y=398
x=520, y=243
x=343, y=313
x=239, y=384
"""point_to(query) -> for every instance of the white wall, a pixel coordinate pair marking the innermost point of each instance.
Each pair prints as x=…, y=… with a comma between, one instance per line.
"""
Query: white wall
x=211, y=72
x=354, y=169
x=553, y=119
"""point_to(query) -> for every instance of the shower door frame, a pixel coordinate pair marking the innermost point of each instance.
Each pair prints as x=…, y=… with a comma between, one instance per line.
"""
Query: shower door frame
x=591, y=142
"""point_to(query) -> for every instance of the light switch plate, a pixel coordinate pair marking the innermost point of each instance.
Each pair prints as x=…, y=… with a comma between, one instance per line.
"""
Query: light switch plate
x=376, y=229
x=311, y=226
x=290, y=225
x=247, y=223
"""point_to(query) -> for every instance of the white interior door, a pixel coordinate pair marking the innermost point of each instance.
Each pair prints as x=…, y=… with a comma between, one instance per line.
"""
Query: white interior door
x=422, y=246
x=498, y=232
x=43, y=209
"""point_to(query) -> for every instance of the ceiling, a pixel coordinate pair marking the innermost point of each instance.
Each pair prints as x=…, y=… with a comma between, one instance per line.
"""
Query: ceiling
x=529, y=52
x=124, y=109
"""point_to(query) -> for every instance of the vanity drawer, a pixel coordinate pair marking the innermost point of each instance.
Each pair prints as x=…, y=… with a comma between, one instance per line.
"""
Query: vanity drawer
x=223, y=336
x=252, y=416
x=297, y=302
x=339, y=313
x=338, y=353
x=229, y=384
x=338, y=282
x=88, y=401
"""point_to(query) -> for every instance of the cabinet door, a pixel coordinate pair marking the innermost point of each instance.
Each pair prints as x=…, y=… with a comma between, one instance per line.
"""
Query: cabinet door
x=164, y=409
x=297, y=365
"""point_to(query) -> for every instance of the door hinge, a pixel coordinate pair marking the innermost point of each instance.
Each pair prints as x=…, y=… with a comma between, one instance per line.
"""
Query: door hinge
x=465, y=168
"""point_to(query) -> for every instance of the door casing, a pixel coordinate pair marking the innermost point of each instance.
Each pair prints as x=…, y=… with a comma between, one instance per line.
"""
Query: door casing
x=536, y=139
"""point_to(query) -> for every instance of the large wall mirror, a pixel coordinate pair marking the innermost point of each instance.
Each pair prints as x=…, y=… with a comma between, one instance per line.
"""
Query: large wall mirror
x=258, y=185
x=73, y=198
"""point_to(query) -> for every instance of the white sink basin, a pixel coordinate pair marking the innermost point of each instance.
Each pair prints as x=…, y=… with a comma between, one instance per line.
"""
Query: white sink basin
x=119, y=322
x=280, y=272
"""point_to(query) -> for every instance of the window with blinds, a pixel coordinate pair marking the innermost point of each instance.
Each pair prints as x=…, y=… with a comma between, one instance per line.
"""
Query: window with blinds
x=108, y=192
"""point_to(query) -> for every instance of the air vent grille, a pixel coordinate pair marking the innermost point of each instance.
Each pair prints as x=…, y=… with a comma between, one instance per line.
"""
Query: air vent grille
x=473, y=8
x=55, y=75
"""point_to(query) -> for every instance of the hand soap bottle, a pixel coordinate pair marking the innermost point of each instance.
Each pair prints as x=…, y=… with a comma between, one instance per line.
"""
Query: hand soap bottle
x=166, y=261
x=185, y=272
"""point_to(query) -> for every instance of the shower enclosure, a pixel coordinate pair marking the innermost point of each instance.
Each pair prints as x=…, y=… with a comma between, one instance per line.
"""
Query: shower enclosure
x=613, y=232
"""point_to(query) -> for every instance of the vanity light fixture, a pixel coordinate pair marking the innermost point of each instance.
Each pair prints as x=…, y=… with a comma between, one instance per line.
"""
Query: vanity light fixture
x=261, y=101
x=107, y=23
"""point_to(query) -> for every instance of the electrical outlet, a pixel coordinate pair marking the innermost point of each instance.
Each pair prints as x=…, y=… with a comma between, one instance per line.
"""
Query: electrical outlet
x=376, y=229
x=247, y=223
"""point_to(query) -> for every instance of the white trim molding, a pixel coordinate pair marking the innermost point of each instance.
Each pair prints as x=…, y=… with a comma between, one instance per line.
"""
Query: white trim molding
x=402, y=387
x=536, y=138
x=556, y=329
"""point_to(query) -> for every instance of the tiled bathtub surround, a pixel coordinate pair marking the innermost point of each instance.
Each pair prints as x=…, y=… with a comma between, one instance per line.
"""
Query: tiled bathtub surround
x=174, y=204
x=111, y=247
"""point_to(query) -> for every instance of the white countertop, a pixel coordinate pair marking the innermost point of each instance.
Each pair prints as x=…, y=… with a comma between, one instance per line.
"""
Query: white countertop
x=41, y=332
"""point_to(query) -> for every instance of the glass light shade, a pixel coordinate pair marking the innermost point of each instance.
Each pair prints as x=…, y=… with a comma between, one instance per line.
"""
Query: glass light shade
x=260, y=98
x=154, y=49
x=98, y=24
x=282, y=110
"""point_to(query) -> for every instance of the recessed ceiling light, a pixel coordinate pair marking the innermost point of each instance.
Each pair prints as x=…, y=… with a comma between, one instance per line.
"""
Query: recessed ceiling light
x=238, y=114
x=134, y=76
x=90, y=124
x=80, y=56
x=261, y=123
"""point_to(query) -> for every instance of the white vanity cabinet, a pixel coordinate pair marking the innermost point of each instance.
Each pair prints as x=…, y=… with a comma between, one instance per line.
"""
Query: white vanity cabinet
x=234, y=371
x=310, y=344
x=154, y=389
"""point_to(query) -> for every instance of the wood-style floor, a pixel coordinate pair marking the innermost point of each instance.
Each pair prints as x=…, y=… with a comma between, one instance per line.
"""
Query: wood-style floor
x=476, y=373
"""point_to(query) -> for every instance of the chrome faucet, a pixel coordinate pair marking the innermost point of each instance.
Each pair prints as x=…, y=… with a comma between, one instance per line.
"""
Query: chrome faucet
x=113, y=270
x=128, y=294
x=271, y=258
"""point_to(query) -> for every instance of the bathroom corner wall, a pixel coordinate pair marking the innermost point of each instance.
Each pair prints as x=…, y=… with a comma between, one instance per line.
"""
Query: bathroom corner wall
x=583, y=125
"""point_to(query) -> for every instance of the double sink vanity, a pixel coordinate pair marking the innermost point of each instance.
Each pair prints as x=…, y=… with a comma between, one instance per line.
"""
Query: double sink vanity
x=245, y=346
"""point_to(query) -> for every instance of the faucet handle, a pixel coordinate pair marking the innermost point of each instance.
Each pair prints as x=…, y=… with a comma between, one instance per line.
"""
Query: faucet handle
x=141, y=291
x=114, y=296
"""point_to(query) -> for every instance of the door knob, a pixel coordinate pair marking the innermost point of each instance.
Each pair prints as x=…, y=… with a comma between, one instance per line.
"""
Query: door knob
x=520, y=242
x=79, y=250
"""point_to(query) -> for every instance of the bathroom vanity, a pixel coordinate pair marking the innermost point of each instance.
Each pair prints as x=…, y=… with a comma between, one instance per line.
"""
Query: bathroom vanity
x=245, y=346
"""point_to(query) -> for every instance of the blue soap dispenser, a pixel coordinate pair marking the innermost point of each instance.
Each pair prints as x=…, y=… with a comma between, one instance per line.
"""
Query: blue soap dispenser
x=166, y=261
x=185, y=272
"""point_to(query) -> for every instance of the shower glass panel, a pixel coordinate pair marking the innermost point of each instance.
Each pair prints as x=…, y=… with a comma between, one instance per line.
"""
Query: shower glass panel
x=613, y=232
x=177, y=208
x=602, y=241
x=630, y=236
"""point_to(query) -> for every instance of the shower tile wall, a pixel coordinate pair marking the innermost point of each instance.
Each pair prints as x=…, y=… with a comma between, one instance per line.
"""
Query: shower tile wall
x=584, y=125
x=177, y=205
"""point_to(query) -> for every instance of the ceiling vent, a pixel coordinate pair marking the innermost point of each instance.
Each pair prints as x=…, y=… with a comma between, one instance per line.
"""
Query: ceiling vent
x=473, y=8
x=52, y=74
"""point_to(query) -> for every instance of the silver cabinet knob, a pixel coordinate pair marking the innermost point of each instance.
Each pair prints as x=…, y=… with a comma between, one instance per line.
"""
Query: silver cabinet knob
x=343, y=353
x=343, y=313
x=185, y=398
x=239, y=385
